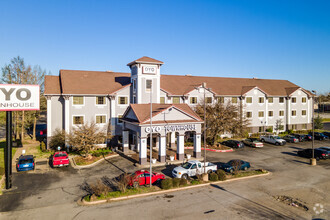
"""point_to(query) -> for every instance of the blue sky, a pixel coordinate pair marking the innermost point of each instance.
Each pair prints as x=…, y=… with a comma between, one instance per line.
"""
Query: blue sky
x=278, y=39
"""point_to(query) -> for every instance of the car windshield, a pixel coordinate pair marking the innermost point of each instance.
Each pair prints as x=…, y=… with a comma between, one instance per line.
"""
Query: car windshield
x=186, y=165
x=60, y=155
x=25, y=161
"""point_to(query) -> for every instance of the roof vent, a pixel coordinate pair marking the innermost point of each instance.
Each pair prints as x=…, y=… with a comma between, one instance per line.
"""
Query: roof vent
x=255, y=78
x=109, y=71
x=188, y=75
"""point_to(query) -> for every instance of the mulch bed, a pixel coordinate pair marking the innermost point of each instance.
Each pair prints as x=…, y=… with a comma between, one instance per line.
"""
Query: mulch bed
x=80, y=160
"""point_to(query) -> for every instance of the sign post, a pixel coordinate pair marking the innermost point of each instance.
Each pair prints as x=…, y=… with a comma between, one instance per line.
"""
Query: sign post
x=15, y=97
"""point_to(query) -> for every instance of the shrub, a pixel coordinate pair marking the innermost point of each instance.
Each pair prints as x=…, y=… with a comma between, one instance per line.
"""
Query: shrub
x=166, y=184
x=176, y=182
x=199, y=177
x=194, y=182
x=100, y=152
x=57, y=139
x=183, y=182
x=213, y=177
x=221, y=175
x=99, y=188
x=43, y=146
x=269, y=130
x=123, y=181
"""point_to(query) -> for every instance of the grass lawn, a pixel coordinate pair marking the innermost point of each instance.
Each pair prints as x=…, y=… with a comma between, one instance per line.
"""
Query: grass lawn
x=33, y=147
x=2, y=159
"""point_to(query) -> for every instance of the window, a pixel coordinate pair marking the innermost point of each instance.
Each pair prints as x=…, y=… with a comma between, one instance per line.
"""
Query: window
x=260, y=114
x=249, y=114
x=100, y=100
x=134, y=84
x=303, y=112
x=281, y=100
x=221, y=99
x=209, y=100
x=176, y=100
x=304, y=126
x=78, y=100
x=294, y=100
x=248, y=99
x=193, y=100
x=270, y=100
x=270, y=113
x=122, y=100
x=234, y=100
x=162, y=100
x=78, y=120
x=118, y=119
x=260, y=129
x=281, y=113
x=294, y=113
x=303, y=100
x=261, y=99
x=100, y=119
x=294, y=127
x=148, y=84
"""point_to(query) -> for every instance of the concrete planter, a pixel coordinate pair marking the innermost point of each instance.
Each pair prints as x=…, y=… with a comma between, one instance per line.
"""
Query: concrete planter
x=188, y=156
x=153, y=161
x=171, y=158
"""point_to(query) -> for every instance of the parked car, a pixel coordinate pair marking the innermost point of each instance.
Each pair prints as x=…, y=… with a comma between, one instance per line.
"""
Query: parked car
x=301, y=137
x=327, y=149
x=273, y=139
x=291, y=139
x=231, y=165
x=308, y=137
x=319, y=136
x=327, y=134
x=25, y=163
x=192, y=168
x=41, y=132
x=60, y=159
x=142, y=177
x=318, y=153
x=233, y=143
x=253, y=142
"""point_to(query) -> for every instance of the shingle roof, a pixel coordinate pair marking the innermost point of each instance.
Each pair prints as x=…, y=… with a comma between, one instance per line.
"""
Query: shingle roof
x=142, y=111
x=181, y=85
x=145, y=59
x=52, y=85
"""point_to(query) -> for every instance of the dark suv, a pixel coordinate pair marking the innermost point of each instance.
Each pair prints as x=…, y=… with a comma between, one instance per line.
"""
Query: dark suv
x=233, y=143
x=318, y=153
x=319, y=136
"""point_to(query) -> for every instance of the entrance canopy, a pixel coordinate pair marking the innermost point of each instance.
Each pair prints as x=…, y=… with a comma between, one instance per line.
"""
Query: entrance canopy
x=165, y=118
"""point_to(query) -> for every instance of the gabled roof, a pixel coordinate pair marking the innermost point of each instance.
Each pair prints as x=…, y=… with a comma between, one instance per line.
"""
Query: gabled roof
x=72, y=82
x=146, y=59
x=142, y=112
x=181, y=85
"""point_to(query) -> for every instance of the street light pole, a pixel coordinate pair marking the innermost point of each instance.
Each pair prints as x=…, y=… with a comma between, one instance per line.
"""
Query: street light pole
x=204, y=86
x=312, y=160
x=150, y=152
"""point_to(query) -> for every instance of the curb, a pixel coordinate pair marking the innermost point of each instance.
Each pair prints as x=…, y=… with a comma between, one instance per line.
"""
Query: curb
x=83, y=202
x=213, y=150
x=93, y=164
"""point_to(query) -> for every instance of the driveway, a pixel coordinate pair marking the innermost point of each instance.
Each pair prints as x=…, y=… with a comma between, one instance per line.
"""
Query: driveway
x=53, y=194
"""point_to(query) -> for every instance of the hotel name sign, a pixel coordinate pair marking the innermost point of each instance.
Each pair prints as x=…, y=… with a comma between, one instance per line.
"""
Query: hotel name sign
x=15, y=97
x=171, y=128
x=149, y=69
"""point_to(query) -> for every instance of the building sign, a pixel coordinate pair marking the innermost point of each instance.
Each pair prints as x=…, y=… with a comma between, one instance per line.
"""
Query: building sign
x=171, y=128
x=149, y=69
x=15, y=97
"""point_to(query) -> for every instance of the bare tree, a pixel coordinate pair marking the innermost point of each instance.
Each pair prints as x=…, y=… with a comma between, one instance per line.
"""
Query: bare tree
x=85, y=137
x=278, y=125
x=221, y=118
x=124, y=180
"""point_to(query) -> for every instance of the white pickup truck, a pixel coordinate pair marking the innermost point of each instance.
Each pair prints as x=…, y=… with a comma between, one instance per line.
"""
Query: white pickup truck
x=273, y=139
x=192, y=168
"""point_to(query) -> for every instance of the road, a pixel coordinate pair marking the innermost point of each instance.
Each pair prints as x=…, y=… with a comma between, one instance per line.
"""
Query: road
x=53, y=194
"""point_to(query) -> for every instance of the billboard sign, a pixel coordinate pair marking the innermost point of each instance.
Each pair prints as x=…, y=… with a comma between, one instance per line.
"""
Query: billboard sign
x=16, y=97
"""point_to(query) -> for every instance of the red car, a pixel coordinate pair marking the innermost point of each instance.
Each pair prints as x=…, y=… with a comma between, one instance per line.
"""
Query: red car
x=142, y=177
x=60, y=159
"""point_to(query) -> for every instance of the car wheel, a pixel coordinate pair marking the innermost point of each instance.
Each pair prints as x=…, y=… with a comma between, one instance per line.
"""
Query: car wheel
x=184, y=176
x=262, y=140
x=277, y=143
x=231, y=171
x=317, y=158
x=209, y=171
x=135, y=184
x=245, y=168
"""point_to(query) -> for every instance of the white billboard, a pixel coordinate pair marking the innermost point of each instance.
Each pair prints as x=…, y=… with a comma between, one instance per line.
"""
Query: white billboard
x=15, y=97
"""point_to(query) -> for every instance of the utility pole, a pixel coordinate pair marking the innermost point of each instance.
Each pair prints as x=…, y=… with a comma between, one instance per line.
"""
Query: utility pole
x=313, y=160
x=8, y=150
x=204, y=86
x=150, y=153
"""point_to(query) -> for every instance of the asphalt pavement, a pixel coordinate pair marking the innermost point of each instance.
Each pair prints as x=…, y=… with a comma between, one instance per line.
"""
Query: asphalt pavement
x=52, y=193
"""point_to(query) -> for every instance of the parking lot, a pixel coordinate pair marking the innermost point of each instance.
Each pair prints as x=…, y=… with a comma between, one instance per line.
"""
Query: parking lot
x=43, y=192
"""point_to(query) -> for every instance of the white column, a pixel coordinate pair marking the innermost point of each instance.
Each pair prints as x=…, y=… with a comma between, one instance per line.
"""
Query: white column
x=309, y=116
x=49, y=119
x=137, y=147
x=67, y=114
x=113, y=114
x=266, y=103
x=197, y=145
x=288, y=113
x=180, y=147
x=172, y=143
x=125, y=141
x=162, y=149
x=143, y=150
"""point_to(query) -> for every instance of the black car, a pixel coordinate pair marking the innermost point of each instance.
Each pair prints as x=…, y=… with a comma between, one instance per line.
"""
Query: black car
x=301, y=137
x=319, y=136
x=233, y=143
x=327, y=134
x=318, y=153
x=327, y=149
x=308, y=137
